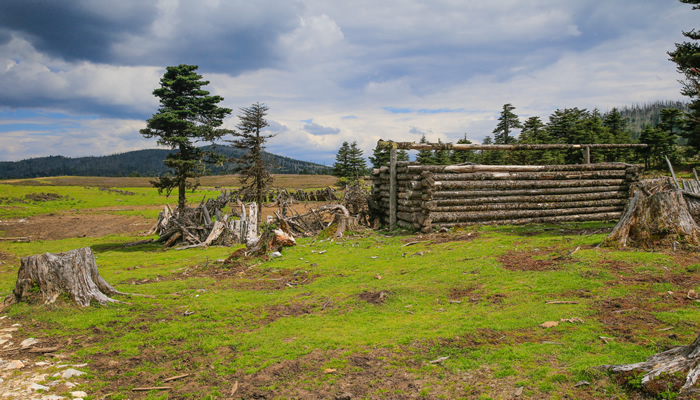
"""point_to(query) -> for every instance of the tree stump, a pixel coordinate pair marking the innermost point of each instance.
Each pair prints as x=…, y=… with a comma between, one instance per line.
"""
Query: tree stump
x=657, y=215
x=73, y=272
x=662, y=370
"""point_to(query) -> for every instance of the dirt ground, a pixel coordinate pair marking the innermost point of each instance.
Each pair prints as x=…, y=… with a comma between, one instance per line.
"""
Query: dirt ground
x=97, y=222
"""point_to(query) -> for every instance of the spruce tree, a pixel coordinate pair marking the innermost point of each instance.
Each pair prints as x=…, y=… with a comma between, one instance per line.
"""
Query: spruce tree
x=463, y=156
x=349, y=162
x=507, y=121
x=253, y=166
x=187, y=115
x=687, y=59
x=425, y=157
x=380, y=156
x=356, y=162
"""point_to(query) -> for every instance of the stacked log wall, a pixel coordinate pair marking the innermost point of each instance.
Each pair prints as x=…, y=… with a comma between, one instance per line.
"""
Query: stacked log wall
x=430, y=196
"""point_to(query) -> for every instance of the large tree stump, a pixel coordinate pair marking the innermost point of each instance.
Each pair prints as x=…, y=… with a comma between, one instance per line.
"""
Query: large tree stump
x=663, y=369
x=657, y=215
x=73, y=272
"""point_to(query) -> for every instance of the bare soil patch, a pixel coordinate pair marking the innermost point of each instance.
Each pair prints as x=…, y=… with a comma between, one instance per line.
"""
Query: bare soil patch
x=374, y=297
x=64, y=226
x=239, y=276
x=535, y=260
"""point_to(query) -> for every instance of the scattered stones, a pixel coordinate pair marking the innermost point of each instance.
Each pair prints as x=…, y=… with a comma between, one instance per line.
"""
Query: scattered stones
x=70, y=372
x=78, y=394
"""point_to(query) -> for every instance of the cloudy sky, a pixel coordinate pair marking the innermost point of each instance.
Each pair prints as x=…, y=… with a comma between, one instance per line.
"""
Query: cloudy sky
x=76, y=76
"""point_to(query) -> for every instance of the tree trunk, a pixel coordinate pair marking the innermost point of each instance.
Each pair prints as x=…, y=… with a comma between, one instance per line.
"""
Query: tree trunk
x=655, y=216
x=678, y=360
x=73, y=272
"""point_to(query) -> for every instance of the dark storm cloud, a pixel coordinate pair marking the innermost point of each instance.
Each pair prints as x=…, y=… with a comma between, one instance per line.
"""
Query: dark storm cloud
x=228, y=37
x=74, y=30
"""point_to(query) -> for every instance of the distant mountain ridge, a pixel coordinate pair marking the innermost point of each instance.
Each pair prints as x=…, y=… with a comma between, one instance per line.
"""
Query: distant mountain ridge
x=138, y=163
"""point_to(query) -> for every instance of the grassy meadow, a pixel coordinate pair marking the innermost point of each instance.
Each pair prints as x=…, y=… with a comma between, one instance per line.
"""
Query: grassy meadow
x=377, y=315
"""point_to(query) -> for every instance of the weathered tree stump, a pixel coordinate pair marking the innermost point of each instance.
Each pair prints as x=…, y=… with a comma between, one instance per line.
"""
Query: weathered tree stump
x=73, y=272
x=657, y=215
x=659, y=368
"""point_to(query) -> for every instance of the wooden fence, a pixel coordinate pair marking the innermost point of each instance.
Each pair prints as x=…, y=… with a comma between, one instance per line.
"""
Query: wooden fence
x=427, y=196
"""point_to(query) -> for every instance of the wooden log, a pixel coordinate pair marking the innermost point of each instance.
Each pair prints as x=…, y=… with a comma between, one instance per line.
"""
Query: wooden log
x=516, y=214
x=409, y=203
x=407, y=225
x=535, y=198
x=444, y=194
x=449, y=185
x=539, y=175
x=620, y=203
x=251, y=234
x=608, y=216
x=408, y=208
x=459, y=146
x=533, y=168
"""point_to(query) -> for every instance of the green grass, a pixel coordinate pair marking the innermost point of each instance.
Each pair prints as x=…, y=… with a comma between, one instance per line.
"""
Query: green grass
x=241, y=327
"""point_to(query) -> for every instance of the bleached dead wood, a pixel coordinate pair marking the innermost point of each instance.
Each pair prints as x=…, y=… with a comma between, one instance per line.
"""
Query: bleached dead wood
x=657, y=215
x=678, y=360
x=73, y=272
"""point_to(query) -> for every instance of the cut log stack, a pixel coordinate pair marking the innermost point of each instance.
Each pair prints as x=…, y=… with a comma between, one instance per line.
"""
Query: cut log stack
x=430, y=196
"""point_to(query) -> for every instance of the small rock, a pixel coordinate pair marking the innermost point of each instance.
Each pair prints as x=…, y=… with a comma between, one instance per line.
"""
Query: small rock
x=582, y=383
x=322, y=251
x=52, y=397
x=344, y=396
x=70, y=372
x=79, y=393
x=36, y=386
x=549, y=324
x=275, y=254
x=518, y=392
x=14, y=364
x=28, y=342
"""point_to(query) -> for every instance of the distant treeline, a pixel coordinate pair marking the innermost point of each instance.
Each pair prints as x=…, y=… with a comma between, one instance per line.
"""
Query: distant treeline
x=138, y=163
x=638, y=116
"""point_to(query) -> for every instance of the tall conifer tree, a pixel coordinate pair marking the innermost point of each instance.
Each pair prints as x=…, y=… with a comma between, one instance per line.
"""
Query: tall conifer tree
x=187, y=115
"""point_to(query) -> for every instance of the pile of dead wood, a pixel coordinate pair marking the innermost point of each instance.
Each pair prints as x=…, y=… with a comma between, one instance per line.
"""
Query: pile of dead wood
x=206, y=224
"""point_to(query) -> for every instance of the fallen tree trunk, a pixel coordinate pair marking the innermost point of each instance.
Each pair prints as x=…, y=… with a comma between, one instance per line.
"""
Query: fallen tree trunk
x=683, y=360
x=73, y=272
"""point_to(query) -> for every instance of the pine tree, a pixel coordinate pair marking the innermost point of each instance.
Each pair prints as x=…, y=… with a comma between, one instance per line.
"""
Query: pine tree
x=381, y=156
x=463, y=156
x=349, y=162
x=253, y=166
x=356, y=162
x=687, y=59
x=506, y=123
x=425, y=157
x=535, y=132
x=442, y=156
x=187, y=114
x=341, y=167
